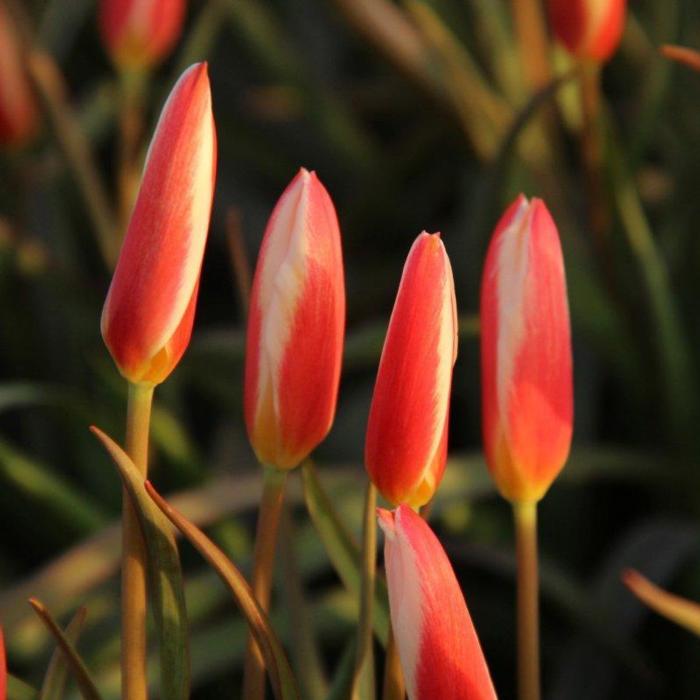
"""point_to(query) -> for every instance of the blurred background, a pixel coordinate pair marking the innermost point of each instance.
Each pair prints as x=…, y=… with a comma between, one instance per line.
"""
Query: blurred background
x=418, y=114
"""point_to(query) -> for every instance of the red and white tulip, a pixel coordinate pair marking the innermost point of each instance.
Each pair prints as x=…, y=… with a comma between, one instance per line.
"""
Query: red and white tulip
x=440, y=653
x=140, y=33
x=148, y=315
x=406, y=445
x=589, y=29
x=526, y=358
x=296, y=326
x=19, y=113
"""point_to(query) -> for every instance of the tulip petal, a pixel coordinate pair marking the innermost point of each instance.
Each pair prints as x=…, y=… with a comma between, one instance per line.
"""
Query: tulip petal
x=406, y=444
x=296, y=326
x=139, y=33
x=440, y=653
x=589, y=29
x=527, y=388
x=18, y=109
x=147, y=318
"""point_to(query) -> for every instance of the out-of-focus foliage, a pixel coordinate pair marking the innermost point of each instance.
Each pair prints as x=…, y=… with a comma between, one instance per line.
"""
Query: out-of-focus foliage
x=416, y=116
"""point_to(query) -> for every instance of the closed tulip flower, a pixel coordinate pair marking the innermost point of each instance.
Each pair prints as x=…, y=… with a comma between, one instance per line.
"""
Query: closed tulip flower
x=296, y=326
x=139, y=33
x=149, y=311
x=589, y=29
x=18, y=109
x=440, y=653
x=527, y=387
x=406, y=445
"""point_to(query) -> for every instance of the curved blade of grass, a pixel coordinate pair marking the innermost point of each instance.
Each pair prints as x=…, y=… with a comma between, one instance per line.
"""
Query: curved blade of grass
x=57, y=672
x=682, y=611
x=682, y=54
x=281, y=676
x=36, y=482
x=167, y=588
x=342, y=549
x=76, y=664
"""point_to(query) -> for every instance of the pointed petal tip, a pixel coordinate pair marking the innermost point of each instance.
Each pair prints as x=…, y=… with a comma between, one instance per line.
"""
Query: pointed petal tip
x=385, y=518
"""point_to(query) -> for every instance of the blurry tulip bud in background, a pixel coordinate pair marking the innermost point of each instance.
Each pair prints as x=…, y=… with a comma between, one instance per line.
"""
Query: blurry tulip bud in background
x=439, y=650
x=149, y=311
x=526, y=363
x=18, y=108
x=138, y=34
x=589, y=29
x=296, y=326
x=406, y=444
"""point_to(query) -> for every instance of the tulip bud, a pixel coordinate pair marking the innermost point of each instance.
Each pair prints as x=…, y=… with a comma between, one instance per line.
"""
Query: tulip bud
x=18, y=109
x=589, y=29
x=439, y=650
x=406, y=445
x=139, y=33
x=295, y=327
x=526, y=366
x=148, y=315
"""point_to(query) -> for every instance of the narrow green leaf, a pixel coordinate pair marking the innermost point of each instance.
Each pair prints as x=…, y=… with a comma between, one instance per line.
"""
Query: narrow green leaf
x=57, y=672
x=77, y=665
x=165, y=574
x=36, y=482
x=343, y=550
x=281, y=676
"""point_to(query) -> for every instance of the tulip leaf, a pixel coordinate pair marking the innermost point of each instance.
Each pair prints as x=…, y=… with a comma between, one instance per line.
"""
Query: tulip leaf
x=342, y=549
x=682, y=611
x=76, y=664
x=280, y=672
x=166, y=584
x=35, y=482
x=57, y=672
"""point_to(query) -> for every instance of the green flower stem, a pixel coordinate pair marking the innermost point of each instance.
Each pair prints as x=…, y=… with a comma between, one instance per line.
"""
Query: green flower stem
x=364, y=659
x=134, y=608
x=261, y=582
x=525, y=515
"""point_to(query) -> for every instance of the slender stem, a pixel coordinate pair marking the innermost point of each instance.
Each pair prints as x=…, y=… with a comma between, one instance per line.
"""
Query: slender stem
x=134, y=682
x=364, y=658
x=531, y=31
x=261, y=582
x=394, y=685
x=525, y=515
